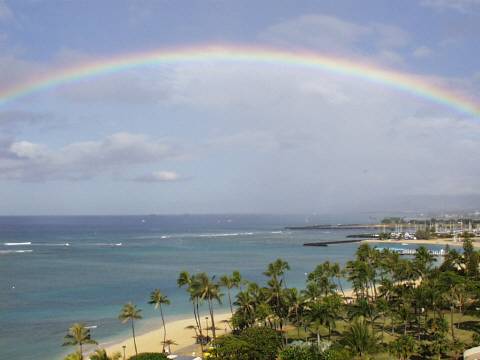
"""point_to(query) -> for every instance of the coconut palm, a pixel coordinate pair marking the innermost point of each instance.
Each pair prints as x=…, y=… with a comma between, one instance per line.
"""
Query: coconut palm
x=237, y=279
x=277, y=269
x=207, y=290
x=73, y=356
x=168, y=343
x=228, y=283
x=158, y=299
x=276, y=272
x=101, y=354
x=296, y=307
x=359, y=339
x=403, y=347
x=423, y=261
x=130, y=312
x=78, y=335
x=185, y=279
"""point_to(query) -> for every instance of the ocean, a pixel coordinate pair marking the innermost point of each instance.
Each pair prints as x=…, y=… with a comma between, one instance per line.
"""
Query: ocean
x=59, y=270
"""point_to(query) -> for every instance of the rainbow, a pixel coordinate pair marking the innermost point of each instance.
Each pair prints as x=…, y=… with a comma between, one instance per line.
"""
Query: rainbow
x=408, y=83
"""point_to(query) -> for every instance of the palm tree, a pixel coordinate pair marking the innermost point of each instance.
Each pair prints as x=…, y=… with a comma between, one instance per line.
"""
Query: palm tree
x=228, y=283
x=73, y=356
x=194, y=328
x=246, y=307
x=237, y=279
x=276, y=270
x=359, y=340
x=423, y=261
x=101, y=354
x=169, y=343
x=158, y=299
x=130, y=312
x=296, y=307
x=403, y=347
x=78, y=335
x=207, y=290
x=185, y=279
x=332, y=305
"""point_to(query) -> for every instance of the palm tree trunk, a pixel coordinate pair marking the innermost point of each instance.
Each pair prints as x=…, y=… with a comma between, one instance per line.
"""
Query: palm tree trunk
x=230, y=300
x=196, y=314
x=81, y=350
x=210, y=307
x=451, y=322
x=164, y=329
x=383, y=327
x=341, y=288
x=298, y=326
x=318, y=339
x=198, y=319
x=134, y=341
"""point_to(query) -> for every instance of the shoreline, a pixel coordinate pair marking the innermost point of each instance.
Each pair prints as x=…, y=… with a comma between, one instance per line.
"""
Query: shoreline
x=475, y=243
x=150, y=341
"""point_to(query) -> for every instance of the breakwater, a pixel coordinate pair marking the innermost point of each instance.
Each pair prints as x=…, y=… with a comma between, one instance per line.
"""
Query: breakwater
x=326, y=243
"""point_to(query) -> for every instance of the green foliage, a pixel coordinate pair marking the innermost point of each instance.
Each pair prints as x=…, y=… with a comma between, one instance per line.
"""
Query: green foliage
x=384, y=235
x=301, y=353
x=149, y=356
x=472, y=258
x=101, y=354
x=423, y=234
x=312, y=352
x=359, y=339
x=337, y=354
x=74, y=356
x=475, y=339
x=258, y=343
x=78, y=335
x=403, y=347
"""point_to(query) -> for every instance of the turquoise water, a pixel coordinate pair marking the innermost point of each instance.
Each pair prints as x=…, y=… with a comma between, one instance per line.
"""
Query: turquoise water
x=112, y=260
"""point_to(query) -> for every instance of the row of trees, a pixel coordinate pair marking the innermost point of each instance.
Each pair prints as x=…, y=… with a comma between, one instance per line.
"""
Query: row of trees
x=397, y=305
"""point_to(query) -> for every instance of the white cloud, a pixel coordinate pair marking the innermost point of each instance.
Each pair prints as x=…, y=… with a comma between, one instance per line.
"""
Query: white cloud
x=27, y=161
x=422, y=52
x=160, y=176
x=334, y=35
x=462, y=6
x=5, y=13
x=317, y=31
x=14, y=118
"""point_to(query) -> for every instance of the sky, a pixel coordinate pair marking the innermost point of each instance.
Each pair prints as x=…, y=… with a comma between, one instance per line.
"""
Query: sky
x=238, y=137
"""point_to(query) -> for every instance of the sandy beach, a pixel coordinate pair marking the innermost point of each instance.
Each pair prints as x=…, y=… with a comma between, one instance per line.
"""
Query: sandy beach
x=449, y=242
x=151, y=341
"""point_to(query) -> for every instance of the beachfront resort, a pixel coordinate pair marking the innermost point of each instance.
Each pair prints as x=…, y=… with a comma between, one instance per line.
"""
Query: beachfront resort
x=379, y=305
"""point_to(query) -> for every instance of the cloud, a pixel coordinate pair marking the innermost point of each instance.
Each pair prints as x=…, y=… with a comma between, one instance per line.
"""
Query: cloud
x=5, y=13
x=132, y=87
x=12, y=121
x=422, y=52
x=159, y=176
x=326, y=137
x=318, y=31
x=331, y=34
x=27, y=161
x=461, y=6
